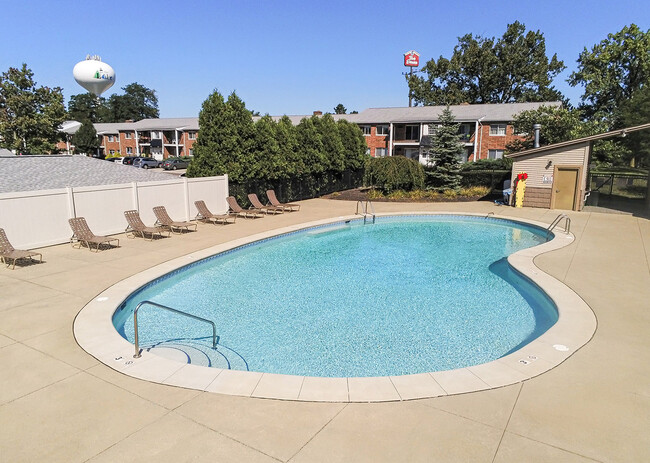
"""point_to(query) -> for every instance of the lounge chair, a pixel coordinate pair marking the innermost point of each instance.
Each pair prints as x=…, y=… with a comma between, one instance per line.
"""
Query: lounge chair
x=236, y=209
x=257, y=204
x=136, y=227
x=167, y=222
x=274, y=202
x=9, y=253
x=207, y=216
x=82, y=234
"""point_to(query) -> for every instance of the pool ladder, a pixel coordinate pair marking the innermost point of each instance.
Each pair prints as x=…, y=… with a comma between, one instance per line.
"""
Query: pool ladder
x=215, y=338
x=556, y=222
x=362, y=209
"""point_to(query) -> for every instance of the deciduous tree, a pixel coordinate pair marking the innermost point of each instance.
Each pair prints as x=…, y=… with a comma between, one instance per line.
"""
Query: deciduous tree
x=88, y=107
x=612, y=71
x=30, y=116
x=137, y=103
x=513, y=68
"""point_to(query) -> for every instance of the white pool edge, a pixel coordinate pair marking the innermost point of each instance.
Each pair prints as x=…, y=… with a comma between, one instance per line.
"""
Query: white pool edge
x=95, y=333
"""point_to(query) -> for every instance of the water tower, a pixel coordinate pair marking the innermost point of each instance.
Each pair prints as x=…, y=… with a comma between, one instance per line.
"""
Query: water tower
x=94, y=75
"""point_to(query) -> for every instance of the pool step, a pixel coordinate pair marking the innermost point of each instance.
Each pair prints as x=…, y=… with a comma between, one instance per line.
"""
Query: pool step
x=199, y=352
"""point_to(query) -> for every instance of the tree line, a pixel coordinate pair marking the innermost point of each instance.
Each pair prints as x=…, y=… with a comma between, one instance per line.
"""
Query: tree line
x=514, y=68
x=230, y=142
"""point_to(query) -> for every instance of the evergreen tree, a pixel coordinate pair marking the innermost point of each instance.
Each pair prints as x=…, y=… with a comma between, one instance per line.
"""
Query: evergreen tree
x=30, y=116
x=446, y=154
x=354, y=144
x=209, y=149
x=310, y=146
x=340, y=109
x=333, y=150
x=268, y=163
x=239, y=139
x=287, y=137
x=85, y=140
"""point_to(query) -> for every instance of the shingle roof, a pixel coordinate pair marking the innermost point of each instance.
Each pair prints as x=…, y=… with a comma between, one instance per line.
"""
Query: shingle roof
x=488, y=112
x=31, y=173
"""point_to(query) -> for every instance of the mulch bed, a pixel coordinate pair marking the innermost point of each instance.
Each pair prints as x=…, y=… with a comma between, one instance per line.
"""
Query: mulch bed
x=361, y=194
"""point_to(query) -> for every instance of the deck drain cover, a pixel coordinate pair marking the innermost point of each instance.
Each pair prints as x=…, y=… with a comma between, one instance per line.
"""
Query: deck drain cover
x=560, y=347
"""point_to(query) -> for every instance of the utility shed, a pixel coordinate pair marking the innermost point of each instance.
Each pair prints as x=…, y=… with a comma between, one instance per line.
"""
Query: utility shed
x=558, y=173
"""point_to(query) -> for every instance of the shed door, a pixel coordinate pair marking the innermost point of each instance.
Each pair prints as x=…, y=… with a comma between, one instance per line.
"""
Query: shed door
x=565, y=184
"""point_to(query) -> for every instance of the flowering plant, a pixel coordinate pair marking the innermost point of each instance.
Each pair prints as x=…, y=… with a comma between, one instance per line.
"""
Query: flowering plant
x=522, y=176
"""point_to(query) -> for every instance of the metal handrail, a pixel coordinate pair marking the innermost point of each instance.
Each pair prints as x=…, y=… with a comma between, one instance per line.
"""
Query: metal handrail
x=364, y=210
x=180, y=312
x=558, y=219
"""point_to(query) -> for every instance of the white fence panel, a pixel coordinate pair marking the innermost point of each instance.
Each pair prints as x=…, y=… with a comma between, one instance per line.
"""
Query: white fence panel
x=40, y=218
x=36, y=218
x=103, y=207
x=212, y=190
x=170, y=194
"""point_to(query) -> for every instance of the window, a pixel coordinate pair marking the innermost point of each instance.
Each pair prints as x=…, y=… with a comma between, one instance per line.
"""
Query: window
x=498, y=129
x=127, y=134
x=495, y=154
x=112, y=152
x=412, y=132
x=365, y=129
x=368, y=151
x=412, y=153
x=110, y=138
x=129, y=150
x=155, y=134
x=382, y=130
x=191, y=152
x=380, y=152
x=191, y=135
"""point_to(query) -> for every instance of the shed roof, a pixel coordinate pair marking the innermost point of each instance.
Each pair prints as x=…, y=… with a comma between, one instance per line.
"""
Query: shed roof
x=32, y=173
x=613, y=133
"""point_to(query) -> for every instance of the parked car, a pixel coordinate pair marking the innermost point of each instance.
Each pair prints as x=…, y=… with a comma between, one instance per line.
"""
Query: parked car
x=146, y=163
x=114, y=159
x=128, y=160
x=175, y=163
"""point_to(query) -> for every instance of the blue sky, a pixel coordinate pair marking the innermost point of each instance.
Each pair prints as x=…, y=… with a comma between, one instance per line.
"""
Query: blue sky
x=282, y=57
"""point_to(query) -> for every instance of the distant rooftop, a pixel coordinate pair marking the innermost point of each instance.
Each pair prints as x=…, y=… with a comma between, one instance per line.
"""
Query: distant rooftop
x=32, y=173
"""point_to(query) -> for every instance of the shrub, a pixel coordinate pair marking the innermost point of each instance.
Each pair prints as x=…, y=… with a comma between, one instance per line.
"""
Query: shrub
x=395, y=173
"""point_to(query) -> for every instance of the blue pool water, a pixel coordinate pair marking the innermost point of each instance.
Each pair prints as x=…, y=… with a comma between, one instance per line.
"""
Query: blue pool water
x=404, y=295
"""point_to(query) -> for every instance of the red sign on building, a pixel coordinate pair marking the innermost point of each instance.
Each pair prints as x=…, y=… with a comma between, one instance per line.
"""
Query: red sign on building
x=411, y=58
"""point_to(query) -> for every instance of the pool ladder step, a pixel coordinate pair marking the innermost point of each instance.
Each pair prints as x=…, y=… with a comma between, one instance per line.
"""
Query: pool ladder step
x=198, y=352
x=366, y=209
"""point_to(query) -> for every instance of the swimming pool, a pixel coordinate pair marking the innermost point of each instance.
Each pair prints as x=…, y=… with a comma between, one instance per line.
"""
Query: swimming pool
x=402, y=296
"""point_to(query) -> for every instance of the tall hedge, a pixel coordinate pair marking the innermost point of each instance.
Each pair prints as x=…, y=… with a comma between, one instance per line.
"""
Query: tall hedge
x=395, y=173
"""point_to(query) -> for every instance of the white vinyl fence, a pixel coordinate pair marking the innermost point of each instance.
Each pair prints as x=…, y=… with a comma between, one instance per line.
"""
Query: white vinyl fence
x=34, y=219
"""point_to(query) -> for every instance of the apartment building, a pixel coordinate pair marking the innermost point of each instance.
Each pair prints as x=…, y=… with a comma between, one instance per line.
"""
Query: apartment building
x=485, y=130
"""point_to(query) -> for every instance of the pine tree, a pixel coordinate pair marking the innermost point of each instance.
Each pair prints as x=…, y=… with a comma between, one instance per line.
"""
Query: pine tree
x=85, y=140
x=446, y=154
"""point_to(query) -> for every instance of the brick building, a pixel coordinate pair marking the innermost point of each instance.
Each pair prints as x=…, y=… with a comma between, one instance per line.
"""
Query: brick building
x=485, y=130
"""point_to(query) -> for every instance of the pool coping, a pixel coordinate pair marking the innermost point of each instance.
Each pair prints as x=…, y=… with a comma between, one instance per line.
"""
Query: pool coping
x=95, y=333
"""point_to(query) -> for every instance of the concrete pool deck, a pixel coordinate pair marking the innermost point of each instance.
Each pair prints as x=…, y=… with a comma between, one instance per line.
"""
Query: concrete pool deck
x=59, y=403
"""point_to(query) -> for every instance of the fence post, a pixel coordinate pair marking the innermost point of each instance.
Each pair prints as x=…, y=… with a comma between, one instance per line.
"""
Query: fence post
x=72, y=213
x=136, y=201
x=186, y=193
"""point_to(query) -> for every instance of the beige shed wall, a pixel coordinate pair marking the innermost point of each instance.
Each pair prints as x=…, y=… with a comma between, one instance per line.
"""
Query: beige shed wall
x=535, y=164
